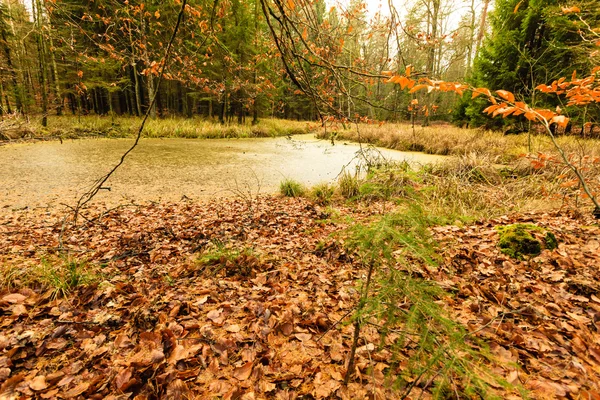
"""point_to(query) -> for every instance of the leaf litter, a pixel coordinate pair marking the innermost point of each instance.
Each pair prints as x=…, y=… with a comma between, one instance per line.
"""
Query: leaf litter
x=157, y=324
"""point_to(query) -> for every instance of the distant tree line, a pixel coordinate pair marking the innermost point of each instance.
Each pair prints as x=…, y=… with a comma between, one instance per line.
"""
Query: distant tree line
x=239, y=60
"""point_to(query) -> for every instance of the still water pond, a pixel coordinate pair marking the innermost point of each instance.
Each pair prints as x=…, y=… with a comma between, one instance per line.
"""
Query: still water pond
x=49, y=173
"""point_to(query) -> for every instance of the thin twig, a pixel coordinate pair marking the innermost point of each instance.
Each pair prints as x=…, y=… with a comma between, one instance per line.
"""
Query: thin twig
x=98, y=185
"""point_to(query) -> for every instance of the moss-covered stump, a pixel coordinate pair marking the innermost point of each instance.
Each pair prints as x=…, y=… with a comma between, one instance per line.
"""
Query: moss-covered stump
x=525, y=240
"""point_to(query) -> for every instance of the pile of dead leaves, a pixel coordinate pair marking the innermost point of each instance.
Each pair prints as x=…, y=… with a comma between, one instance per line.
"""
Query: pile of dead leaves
x=540, y=315
x=156, y=323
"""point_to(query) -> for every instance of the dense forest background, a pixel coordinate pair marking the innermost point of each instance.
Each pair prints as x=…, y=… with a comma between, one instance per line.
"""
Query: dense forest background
x=238, y=60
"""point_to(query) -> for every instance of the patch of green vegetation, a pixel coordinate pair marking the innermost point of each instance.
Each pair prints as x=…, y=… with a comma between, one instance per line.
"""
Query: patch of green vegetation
x=519, y=241
x=388, y=182
x=408, y=311
x=323, y=193
x=348, y=184
x=231, y=261
x=11, y=276
x=551, y=241
x=64, y=275
x=291, y=188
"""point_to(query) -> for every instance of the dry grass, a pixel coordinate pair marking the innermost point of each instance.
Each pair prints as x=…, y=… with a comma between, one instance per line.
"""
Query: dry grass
x=193, y=128
x=448, y=139
x=473, y=187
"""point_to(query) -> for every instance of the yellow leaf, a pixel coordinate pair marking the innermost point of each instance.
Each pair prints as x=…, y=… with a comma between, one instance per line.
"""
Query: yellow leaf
x=545, y=114
x=403, y=82
x=408, y=70
x=157, y=14
x=291, y=4
x=305, y=34
x=507, y=111
x=491, y=109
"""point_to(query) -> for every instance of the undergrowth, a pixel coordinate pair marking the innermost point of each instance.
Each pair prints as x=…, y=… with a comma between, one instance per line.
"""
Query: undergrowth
x=221, y=258
x=430, y=351
x=451, y=140
x=59, y=275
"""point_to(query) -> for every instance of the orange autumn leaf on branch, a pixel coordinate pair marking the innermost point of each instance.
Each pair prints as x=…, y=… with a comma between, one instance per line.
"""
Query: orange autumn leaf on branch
x=560, y=120
x=479, y=91
x=571, y=10
x=506, y=95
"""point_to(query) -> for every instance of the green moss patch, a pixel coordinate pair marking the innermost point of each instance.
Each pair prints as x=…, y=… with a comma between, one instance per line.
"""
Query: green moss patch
x=525, y=240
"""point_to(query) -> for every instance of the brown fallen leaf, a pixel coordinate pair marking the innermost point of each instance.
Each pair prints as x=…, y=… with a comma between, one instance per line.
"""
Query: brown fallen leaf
x=122, y=378
x=242, y=373
x=50, y=394
x=216, y=316
x=178, y=390
x=38, y=383
x=14, y=298
x=234, y=328
x=77, y=390
x=303, y=337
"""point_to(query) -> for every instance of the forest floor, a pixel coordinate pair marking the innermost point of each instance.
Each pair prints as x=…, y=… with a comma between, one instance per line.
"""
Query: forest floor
x=256, y=298
x=250, y=300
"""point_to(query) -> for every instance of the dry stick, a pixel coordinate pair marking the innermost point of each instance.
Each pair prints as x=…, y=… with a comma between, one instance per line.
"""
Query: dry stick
x=90, y=194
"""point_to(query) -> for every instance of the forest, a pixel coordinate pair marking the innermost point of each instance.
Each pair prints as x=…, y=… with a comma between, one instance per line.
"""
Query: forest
x=233, y=60
x=300, y=199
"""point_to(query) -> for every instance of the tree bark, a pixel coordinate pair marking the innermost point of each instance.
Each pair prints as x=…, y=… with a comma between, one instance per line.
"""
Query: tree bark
x=37, y=7
x=433, y=14
x=482, y=25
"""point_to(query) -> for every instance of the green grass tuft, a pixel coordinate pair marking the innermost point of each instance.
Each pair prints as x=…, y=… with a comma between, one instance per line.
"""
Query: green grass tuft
x=348, y=184
x=291, y=188
x=323, y=193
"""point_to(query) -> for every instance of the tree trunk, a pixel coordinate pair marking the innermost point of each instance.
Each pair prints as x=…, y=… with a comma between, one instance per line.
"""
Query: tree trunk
x=149, y=76
x=470, y=44
x=36, y=6
x=13, y=74
x=482, y=25
x=432, y=19
x=18, y=89
x=136, y=78
x=57, y=93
